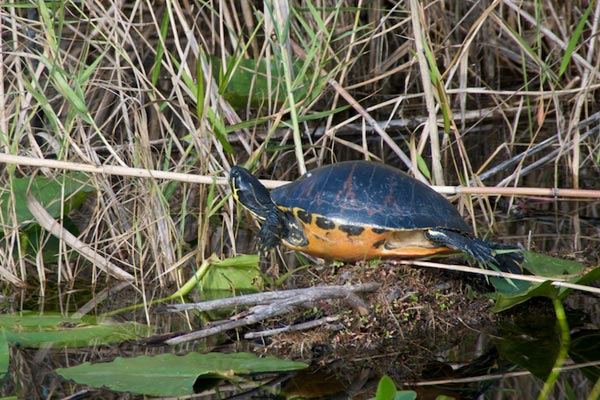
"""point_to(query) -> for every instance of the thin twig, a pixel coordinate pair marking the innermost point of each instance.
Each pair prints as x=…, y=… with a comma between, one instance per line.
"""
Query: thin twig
x=470, y=379
x=325, y=321
x=557, y=282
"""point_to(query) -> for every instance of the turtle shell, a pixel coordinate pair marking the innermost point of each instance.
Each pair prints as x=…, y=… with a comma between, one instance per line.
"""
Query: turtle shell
x=360, y=209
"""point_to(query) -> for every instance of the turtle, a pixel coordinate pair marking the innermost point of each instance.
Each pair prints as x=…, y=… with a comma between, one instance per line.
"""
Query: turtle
x=358, y=210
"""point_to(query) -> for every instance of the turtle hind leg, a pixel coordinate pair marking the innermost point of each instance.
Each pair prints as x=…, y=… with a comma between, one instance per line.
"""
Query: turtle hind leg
x=476, y=248
x=481, y=250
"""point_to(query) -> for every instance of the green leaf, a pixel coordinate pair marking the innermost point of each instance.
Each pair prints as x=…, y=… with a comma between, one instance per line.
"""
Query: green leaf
x=405, y=395
x=422, y=165
x=160, y=50
x=247, y=81
x=50, y=192
x=74, y=96
x=544, y=265
x=574, y=39
x=224, y=280
x=386, y=389
x=58, y=195
x=36, y=240
x=52, y=330
x=509, y=294
x=171, y=375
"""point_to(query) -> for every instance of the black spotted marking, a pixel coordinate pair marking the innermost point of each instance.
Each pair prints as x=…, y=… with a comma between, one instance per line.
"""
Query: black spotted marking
x=304, y=216
x=325, y=223
x=379, y=230
x=351, y=230
x=378, y=244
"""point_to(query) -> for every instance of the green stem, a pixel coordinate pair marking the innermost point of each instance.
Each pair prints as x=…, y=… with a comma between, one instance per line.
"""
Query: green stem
x=565, y=340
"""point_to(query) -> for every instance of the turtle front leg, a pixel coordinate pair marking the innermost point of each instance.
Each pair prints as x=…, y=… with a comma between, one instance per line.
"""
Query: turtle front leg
x=280, y=226
x=272, y=230
x=267, y=240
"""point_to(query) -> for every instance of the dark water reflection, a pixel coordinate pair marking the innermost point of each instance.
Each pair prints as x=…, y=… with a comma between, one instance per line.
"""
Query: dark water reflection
x=511, y=361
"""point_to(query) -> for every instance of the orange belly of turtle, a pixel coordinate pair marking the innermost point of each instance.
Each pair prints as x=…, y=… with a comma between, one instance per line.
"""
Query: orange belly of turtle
x=371, y=243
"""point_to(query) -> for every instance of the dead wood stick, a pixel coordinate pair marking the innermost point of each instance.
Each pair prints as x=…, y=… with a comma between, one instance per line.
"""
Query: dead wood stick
x=279, y=303
x=316, y=293
x=258, y=313
x=46, y=221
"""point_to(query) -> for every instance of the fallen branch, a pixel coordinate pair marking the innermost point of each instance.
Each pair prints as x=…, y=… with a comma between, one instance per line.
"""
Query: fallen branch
x=269, y=304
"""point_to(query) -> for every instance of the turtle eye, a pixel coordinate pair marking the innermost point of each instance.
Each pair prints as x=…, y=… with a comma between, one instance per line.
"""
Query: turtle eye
x=234, y=177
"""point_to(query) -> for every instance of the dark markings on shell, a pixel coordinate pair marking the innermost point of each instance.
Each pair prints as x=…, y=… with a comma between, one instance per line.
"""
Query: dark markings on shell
x=304, y=216
x=379, y=230
x=325, y=223
x=351, y=230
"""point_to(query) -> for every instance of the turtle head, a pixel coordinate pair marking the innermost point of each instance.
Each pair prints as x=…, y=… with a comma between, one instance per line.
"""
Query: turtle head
x=276, y=223
x=252, y=194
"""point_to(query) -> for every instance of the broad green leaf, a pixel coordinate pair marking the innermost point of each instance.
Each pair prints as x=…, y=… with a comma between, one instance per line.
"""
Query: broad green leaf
x=386, y=389
x=405, y=395
x=48, y=191
x=52, y=330
x=224, y=280
x=171, y=375
x=241, y=261
x=509, y=294
x=247, y=80
x=35, y=240
x=244, y=261
x=544, y=265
